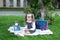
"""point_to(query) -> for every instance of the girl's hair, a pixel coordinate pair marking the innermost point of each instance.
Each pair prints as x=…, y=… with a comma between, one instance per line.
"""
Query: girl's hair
x=33, y=18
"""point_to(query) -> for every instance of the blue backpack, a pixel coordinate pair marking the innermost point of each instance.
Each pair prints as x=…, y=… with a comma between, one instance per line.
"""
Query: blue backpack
x=41, y=24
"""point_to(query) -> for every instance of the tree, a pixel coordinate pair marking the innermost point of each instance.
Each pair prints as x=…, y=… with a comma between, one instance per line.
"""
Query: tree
x=57, y=4
x=42, y=10
x=40, y=6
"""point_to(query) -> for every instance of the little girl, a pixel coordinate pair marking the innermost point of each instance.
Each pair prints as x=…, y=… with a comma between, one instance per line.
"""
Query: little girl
x=29, y=24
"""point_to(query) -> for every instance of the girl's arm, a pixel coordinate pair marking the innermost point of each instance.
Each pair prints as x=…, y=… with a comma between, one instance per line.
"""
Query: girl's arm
x=25, y=26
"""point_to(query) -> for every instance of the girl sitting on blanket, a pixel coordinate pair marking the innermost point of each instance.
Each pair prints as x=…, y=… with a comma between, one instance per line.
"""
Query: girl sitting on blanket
x=29, y=24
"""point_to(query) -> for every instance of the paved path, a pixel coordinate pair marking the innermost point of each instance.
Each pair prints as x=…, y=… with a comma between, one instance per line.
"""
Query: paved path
x=15, y=13
x=20, y=13
x=56, y=12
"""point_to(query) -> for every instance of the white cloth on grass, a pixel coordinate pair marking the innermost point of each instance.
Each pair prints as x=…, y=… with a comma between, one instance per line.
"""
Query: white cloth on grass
x=37, y=32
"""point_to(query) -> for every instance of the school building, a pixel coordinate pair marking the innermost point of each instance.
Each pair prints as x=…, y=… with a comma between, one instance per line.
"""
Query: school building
x=13, y=3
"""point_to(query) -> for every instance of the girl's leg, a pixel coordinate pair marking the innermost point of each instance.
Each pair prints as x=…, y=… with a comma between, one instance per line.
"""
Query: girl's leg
x=27, y=31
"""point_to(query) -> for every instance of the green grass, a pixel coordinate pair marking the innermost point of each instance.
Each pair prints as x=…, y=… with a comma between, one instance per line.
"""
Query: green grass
x=6, y=21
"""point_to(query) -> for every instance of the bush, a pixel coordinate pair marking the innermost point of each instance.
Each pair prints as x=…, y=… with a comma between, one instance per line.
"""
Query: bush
x=49, y=17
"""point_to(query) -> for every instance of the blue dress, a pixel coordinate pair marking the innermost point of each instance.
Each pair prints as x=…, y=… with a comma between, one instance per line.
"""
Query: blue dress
x=29, y=26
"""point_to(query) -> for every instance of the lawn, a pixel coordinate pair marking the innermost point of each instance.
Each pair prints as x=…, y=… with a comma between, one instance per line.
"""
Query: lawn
x=6, y=21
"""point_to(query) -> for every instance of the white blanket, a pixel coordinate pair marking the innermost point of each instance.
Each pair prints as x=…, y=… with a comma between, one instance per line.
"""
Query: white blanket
x=37, y=32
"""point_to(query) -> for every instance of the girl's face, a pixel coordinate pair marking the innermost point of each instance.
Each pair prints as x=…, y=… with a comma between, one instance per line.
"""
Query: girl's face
x=29, y=17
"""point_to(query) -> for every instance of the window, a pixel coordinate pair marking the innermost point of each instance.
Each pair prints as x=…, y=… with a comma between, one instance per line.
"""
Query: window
x=18, y=3
x=4, y=3
x=25, y=3
x=11, y=3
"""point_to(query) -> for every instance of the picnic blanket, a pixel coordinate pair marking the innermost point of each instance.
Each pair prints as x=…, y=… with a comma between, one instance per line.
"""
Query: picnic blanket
x=37, y=32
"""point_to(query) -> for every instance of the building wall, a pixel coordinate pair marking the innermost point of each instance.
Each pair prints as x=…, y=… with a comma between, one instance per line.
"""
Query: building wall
x=8, y=3
x=1, y=3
